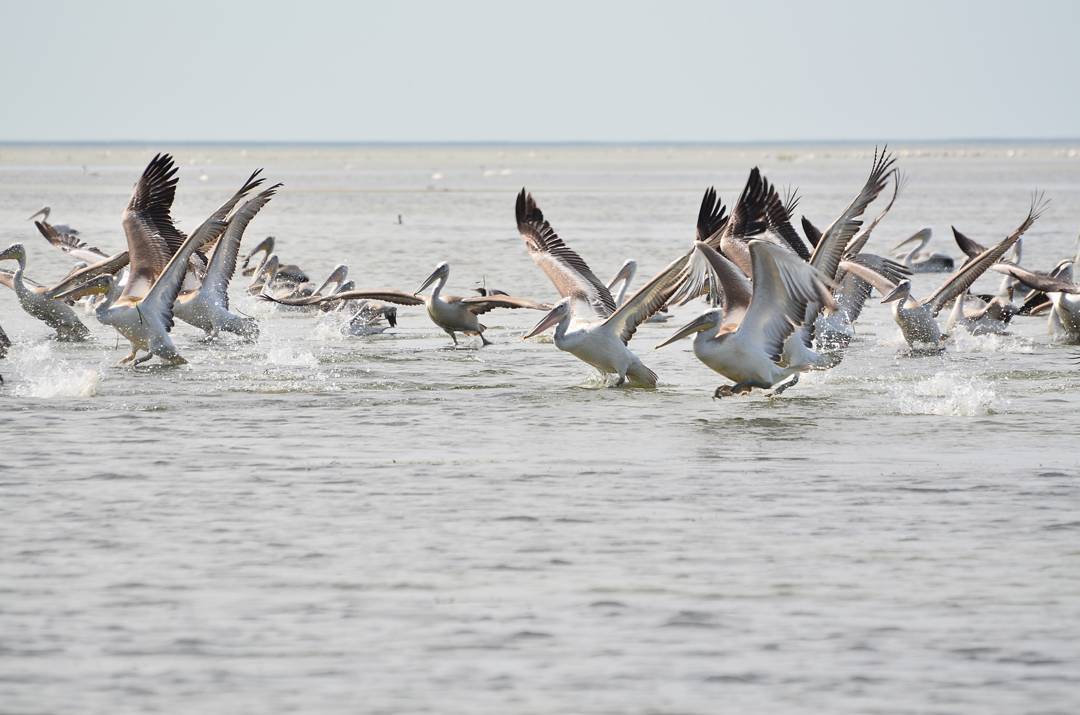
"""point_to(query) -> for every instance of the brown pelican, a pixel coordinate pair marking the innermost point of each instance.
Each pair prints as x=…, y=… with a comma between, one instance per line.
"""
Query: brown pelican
x=160, y=256
x=920, y=261
x=917, y=319
x=587, y=322
x=35, y=299
x=744, y=340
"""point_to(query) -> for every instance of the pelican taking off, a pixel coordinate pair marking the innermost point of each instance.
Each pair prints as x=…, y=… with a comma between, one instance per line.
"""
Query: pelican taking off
x=37, y=301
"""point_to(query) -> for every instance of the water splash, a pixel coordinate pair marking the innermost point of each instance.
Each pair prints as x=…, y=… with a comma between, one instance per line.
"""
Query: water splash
x=945, y=393
x=42, y=375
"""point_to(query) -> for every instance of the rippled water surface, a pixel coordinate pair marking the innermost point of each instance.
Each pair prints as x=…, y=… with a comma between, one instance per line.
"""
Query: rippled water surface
x=320, y=523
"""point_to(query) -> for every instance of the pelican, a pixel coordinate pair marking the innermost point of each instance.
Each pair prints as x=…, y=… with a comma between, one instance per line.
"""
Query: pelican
x=828, y=253
x=36, y=300
x=835, y=331
x=453, y=314
x=207, y=307
x=1064, y=295
x=266, y=248
x=917, y=319
x=67, y=233
x=979, y=316
x=5, y=342
x=142, y=311
x=588, y=325
x=743, y=340
x=287, y=274
x=920, y=261
x=69, y=243
x=622, y=279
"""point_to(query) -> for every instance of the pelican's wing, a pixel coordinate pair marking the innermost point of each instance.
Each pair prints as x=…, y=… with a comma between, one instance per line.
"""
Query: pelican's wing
x=1046, y=284
x=214, y=226
x=111, y=265
x=563, y=266
x=479, y=304
x=783, y=285
x=855, y=289
x=813, y=233
x=223, y=261
x=647, y=301
x=958, y=283
x=712, y=216
x=748, y=218
x=151, y=236
x=778, y=214
x=835, y=239
x=971, y=248
x=157, y=306
x=386, y=296
x=732, y=289
x=859, y=242
x=69, y=243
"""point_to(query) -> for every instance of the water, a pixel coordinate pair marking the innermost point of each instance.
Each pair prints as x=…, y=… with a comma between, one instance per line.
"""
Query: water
x=318, y=523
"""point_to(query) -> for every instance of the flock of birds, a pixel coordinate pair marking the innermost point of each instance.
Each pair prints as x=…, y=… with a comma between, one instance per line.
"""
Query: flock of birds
x=780, y=302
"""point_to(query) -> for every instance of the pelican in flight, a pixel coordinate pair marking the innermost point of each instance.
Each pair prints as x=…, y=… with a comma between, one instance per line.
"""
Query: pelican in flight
x=142, y=311
x=918, y=260
x=743, y=340
x=587, y=322
x=918, y=319
x=37, y=300
x=454, y=314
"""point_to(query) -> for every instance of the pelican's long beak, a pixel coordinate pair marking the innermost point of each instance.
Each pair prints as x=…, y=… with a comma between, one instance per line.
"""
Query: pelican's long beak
x=898, y=293
x=96, y=286
x=920, y=237
x=10, y=252
x=702, y=322
x=552, y=318
x=43, y=212
x=428, y=281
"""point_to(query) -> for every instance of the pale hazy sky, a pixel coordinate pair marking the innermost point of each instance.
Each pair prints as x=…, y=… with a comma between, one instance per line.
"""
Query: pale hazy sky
x=538, y=71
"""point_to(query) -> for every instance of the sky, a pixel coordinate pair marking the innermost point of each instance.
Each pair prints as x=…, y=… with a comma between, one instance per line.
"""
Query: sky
x=544, y=71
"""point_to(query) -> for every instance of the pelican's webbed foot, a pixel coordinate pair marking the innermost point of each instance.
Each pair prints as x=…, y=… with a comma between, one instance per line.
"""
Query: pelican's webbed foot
x=779, y=389
x=131, y=356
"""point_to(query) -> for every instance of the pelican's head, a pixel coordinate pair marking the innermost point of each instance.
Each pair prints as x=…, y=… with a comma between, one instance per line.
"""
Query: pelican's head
x=14, y=252
x=556, y=315
x=265, y=247
x=439, y=274
x=43, y=212
x=918, y=240
x=706, y=321
x=900, y=292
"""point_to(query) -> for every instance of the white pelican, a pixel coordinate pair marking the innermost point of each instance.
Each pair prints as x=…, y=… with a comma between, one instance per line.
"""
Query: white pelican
x=266, y=248
x=744, y=340
x=67, y=233
x=69, y=243
x=829, y=251
x=1064, y=295
x=287, y=275
x=920, y=261
x=587, y=322
x=917, y=319
x=159, y=261
x=453, y=314
x=35, y=299
x=207, y=307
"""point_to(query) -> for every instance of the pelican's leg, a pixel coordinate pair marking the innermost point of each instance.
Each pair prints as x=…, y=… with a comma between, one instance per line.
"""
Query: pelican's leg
x=144, y=358
x=723, y=391
x=484, y=342
x=453, y=336
x=779, y=389
x=130, y=357
x=620, y=382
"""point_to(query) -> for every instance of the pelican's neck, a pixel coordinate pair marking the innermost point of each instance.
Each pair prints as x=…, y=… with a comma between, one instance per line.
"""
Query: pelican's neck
x=439, y=286
x=562, y=326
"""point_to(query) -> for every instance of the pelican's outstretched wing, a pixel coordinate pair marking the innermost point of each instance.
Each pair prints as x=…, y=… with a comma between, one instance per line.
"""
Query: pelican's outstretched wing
x=648, y=300
x=712, y=216
x=854, y=290
x=959, y=282
x=778, y=214
x=111, y=265
x=970, y=247
x=1045, y=284
x=214, y=226
x=859, y=242
x=386, y=296
x=151, y=236
x=223, y=261
x=748, y=218
x=479, y=304
x=783, y=286
x=567, y=270
x=729, y=286
x=70, y=244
